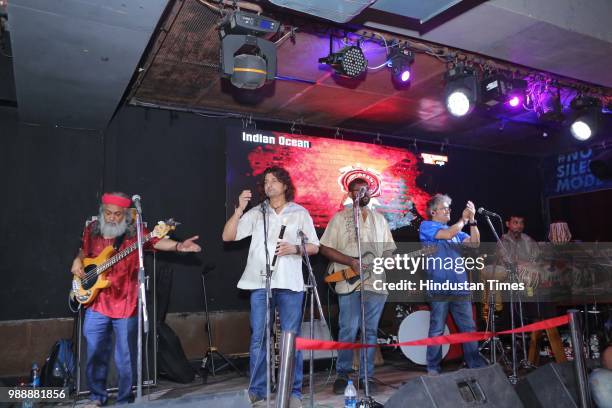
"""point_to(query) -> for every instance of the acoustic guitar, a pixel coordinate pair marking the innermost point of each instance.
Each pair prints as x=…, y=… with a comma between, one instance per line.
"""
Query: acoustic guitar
x=84, y=290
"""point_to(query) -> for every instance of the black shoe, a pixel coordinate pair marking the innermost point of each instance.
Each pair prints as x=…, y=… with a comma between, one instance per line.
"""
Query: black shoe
x=372, y=386
x=340, y=385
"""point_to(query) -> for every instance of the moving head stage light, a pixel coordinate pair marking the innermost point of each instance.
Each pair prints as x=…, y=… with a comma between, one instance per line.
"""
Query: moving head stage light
x=249, y=61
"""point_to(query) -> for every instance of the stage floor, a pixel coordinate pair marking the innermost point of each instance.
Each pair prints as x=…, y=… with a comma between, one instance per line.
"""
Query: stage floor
x=389, y=377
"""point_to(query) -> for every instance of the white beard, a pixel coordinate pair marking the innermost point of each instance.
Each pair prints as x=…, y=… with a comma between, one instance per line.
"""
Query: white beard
x=112, y=229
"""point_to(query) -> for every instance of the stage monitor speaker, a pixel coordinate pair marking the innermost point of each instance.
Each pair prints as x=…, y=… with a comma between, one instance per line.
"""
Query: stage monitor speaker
x=552, y=385
x=229, y=399
x=321, y=332
x=476, y=387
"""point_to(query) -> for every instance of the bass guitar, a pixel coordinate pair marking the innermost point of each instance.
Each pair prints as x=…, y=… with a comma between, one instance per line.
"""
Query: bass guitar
x=84, y=290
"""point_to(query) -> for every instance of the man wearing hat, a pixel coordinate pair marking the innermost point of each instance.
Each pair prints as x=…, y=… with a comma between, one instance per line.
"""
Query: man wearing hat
x=339, y=245
x=115, y=307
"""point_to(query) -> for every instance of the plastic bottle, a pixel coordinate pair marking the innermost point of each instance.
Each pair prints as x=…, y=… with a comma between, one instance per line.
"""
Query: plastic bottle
x=350, y=395
x=35, y=375
x=34, y=383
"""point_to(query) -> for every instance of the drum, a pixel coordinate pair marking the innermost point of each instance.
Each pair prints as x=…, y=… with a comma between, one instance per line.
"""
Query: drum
x=415, y=326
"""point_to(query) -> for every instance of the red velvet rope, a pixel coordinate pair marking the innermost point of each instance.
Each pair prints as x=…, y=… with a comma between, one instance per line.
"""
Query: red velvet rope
x=308, y=344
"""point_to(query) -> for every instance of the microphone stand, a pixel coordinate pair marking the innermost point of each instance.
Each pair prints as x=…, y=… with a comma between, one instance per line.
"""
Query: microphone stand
x=264, y=210
x=511, y=267
x=314, y=296
x=367, y=401
x=143, y=319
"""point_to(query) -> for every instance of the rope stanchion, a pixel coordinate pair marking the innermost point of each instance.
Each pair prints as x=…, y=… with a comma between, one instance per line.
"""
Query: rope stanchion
x=457, y=338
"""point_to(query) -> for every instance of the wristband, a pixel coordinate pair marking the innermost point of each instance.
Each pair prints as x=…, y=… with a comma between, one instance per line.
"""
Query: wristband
x=472, y=223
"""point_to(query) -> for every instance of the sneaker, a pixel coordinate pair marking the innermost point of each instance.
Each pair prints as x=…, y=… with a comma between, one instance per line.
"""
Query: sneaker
x=295, y=402
x=340, y=385
x=433, y=373
x=372, y=386
x=255, y=399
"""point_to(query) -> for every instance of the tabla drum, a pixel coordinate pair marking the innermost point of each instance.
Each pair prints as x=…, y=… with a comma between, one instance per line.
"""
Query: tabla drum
x=415, y=326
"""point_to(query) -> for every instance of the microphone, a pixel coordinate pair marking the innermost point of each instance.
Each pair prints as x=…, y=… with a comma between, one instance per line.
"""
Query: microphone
x=362, y=192
x=264, y=207
x=488, y=213
x=280, y=236
x=136, y=201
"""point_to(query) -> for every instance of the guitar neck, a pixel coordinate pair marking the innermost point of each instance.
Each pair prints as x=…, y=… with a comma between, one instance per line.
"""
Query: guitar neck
x=120, y=255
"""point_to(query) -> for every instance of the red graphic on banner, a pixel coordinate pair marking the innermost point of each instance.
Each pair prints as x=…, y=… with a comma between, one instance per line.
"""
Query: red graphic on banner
x=322, y=171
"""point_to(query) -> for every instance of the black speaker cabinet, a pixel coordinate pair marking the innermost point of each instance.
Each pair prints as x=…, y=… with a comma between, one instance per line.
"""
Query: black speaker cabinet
x=552, y=385
x=476, y=387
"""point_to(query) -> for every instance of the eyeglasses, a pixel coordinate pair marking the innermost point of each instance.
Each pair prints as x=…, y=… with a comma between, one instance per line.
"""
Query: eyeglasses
x=443, y=209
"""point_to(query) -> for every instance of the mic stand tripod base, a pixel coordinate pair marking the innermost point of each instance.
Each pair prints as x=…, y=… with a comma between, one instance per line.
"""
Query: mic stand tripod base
x=208, y=364
x=368, y=402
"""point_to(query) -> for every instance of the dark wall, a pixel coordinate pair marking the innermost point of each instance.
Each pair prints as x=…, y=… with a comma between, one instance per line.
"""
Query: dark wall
x=53, y=179
x=505, y=184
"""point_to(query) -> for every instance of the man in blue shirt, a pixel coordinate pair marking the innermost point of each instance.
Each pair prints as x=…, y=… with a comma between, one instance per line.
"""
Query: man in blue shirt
x=456, y=299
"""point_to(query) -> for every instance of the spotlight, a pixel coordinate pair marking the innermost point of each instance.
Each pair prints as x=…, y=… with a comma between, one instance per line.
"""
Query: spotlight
x=586, y=117
x=400, y=60
x=462, y=91
x=499, y=88
x=349, y=61
x=247, y=60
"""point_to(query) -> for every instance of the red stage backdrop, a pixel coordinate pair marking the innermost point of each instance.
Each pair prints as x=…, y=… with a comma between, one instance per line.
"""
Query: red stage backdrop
x=321, y=168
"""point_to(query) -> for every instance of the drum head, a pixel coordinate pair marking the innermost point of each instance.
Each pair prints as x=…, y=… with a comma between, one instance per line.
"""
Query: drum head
x=415, y=326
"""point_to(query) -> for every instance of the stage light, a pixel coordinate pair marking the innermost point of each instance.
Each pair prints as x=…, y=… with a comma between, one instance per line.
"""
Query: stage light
x=248, y=61
x=585, y=118
x=461, y=92
x=400, y=60
x=458, y=103
x=514, y=101
x=499, y=88
x=349, y=61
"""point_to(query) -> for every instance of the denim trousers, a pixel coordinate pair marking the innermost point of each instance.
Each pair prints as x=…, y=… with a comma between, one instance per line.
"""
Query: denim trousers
x=98, y=330
x=462, y=314
x=601, y=387
x=289, y=304
x=350, y=322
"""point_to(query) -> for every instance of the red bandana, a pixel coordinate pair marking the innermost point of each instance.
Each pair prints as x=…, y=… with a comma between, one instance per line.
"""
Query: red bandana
x=116, y=200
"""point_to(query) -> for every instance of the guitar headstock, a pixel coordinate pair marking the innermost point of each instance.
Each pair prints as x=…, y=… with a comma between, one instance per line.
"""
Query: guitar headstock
x=164, y=227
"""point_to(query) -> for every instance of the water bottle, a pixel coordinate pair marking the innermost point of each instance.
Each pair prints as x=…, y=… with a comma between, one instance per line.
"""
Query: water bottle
x=350, y=396
x=35, y=375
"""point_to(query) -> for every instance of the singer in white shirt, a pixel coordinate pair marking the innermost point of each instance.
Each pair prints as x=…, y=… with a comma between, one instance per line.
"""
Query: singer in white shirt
x=287, y=282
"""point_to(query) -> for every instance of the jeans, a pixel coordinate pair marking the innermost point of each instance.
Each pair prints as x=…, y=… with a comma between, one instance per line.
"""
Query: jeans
x=289, y=305
x=462, y=314
x=97, y=330
x=350, y=322
x=601, y=387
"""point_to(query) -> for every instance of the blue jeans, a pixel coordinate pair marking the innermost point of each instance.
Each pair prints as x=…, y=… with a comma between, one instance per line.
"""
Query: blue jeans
x=601, y=387
x=350, y=322
x=462, y=314
x=97, y=330
x=289, y=305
